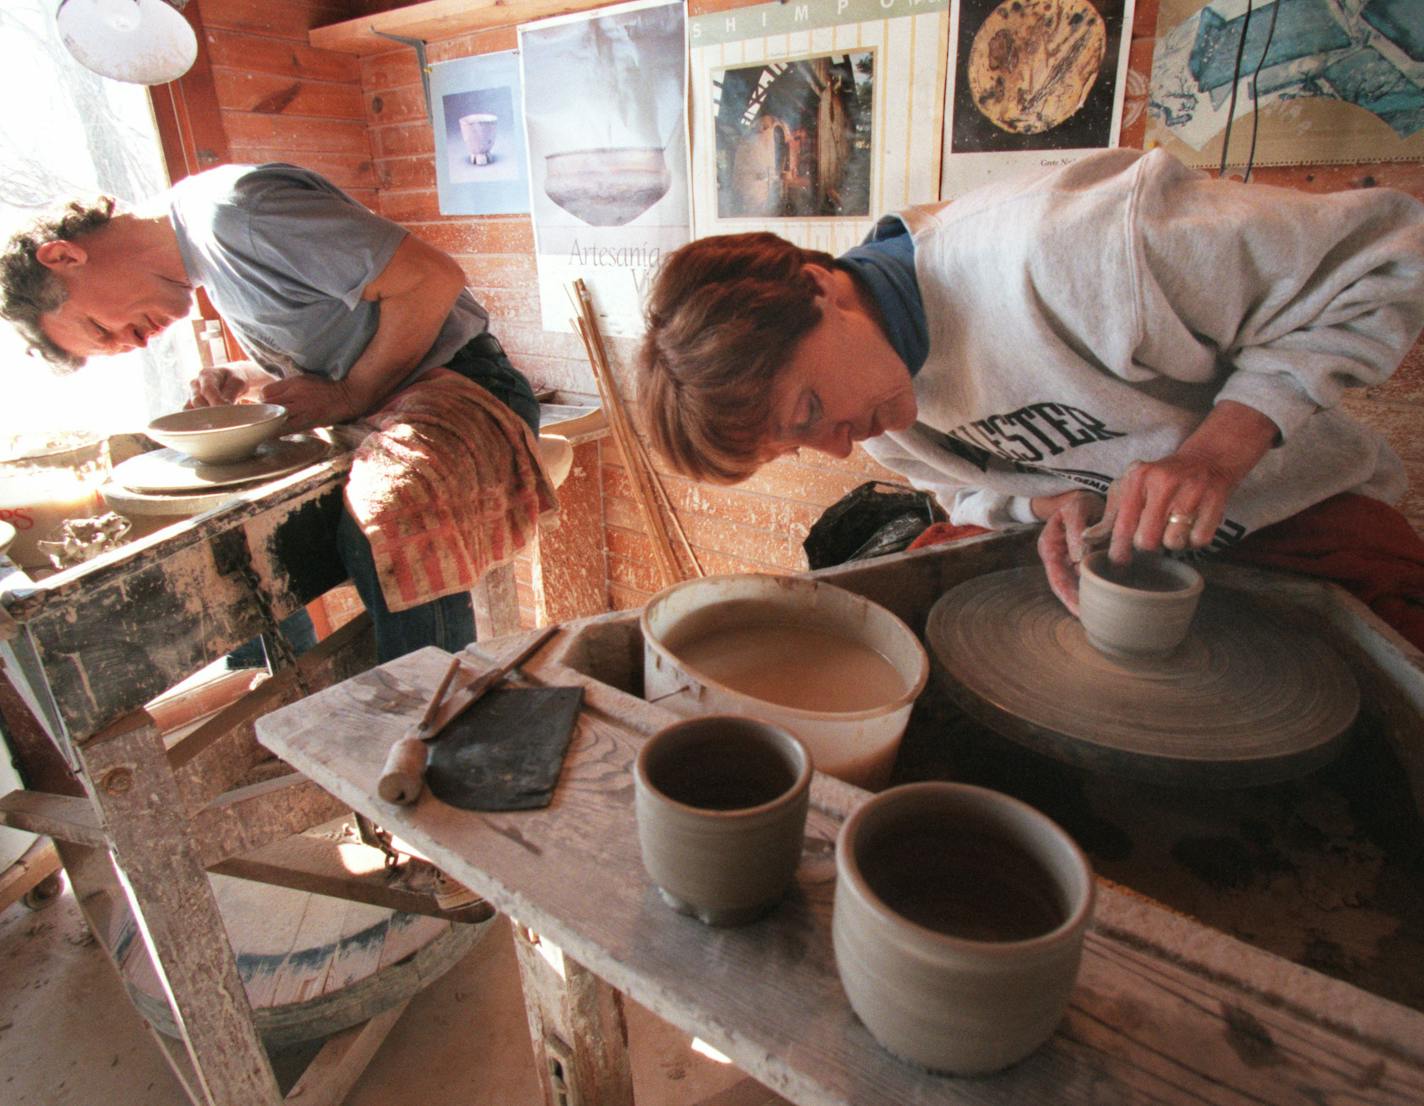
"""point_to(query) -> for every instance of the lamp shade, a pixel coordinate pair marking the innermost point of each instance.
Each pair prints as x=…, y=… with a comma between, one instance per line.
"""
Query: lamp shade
x=138, y=41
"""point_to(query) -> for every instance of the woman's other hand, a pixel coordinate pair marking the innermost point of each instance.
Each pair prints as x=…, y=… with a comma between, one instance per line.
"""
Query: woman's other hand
x=1072, y=521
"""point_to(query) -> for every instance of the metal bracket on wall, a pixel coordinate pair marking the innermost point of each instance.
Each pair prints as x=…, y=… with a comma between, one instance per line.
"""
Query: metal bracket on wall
x=418, y=45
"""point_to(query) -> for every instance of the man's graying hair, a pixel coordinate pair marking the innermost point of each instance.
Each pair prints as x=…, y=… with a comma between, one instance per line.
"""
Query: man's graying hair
x=28, y=289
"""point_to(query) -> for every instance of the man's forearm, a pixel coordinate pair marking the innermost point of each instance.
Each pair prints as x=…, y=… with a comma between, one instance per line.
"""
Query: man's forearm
x=405, y=334
x=416, y=292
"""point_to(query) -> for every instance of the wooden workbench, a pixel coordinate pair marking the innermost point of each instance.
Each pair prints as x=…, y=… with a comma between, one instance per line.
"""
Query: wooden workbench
x=103, y=638
x=1167, y=1009
x=84, y=650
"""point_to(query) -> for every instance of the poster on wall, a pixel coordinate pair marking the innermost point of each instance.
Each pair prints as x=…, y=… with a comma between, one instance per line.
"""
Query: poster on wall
x=604, y=107
x=480, y=164
x=1301, y=82
x=813, y=119
x=1031, y=84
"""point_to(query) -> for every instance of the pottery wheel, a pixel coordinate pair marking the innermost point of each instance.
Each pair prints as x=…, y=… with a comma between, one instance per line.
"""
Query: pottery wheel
x=1245, y=700
x=167, y=470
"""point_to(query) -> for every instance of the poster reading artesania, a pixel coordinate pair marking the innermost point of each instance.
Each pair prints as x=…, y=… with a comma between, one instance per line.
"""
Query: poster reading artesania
x=813, y=118
x=604, y=105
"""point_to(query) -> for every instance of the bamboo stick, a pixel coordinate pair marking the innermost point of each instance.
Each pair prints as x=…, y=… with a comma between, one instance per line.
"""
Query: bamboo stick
x=586, y=325
x=666, y=503
x=651, y=475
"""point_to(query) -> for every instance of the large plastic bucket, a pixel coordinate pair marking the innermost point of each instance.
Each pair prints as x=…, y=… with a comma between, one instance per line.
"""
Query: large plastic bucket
x=857, y=746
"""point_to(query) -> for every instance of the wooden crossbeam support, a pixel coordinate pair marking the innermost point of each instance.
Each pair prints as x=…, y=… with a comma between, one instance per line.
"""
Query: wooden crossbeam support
x=307, y=863
x=63, y=817
x=247, y=818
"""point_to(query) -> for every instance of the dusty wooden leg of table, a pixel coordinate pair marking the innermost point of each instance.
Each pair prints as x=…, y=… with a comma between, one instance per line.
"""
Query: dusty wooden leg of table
x=496, y=603
x=172, y=900
x=577, y=1026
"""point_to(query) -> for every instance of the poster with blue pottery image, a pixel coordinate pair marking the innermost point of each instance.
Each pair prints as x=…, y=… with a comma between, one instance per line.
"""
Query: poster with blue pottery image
x=481, y=167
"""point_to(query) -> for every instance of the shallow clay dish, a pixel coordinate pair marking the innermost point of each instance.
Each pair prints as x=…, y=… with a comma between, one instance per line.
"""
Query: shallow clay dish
x=1246, y=699
x=219, y=435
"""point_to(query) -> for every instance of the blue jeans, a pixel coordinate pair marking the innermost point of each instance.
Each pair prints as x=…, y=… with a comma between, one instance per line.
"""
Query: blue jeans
x=449, y=621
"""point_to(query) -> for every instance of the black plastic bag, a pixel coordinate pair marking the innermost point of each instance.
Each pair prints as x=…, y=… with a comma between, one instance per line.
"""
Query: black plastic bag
x=871, y=521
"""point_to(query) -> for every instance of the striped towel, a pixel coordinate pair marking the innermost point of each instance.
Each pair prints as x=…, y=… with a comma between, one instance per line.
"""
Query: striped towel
x=447, y=485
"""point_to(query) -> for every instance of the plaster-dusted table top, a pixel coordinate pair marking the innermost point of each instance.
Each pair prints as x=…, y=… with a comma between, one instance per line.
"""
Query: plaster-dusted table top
x=1165, y=1009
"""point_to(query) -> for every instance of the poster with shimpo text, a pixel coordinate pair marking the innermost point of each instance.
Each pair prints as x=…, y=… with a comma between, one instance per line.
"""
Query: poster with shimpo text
x=606, y=123
x=814, y=118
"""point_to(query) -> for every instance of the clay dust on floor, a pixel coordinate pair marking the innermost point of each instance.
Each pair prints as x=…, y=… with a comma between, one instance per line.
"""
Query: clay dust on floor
x=69, y=1036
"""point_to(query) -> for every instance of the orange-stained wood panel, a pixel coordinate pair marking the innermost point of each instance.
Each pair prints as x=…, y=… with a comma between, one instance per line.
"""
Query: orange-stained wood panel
x=274, y=94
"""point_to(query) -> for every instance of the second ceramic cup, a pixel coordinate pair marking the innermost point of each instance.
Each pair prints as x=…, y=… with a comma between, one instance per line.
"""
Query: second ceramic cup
x=1140, y=609
x=958, y=924
x=721, y=805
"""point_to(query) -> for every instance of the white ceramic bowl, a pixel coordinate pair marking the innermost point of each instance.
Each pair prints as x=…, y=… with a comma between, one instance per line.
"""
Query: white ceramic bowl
x=7, y=536
x=219, y=435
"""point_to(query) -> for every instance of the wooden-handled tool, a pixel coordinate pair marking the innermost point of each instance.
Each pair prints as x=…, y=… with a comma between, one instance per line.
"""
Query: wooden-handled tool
x=403, y=774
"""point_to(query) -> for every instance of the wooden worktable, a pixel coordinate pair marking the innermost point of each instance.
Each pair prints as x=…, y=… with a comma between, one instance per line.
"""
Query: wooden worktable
x=103, y=638
x=1166, y=1009
x=84, y=650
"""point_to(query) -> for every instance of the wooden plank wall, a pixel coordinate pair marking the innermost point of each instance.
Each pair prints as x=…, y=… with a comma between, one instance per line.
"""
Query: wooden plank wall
x=280, y=99
x=362, y=121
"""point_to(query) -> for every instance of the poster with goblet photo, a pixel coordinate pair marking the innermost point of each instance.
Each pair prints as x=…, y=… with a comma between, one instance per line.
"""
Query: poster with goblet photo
x=480, y=164
x=605, y=115
x=813, y=119
x=1032, y=84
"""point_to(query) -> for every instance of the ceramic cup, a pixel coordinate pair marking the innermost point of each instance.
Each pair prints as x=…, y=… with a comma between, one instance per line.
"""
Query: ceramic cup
x=1140, y=609
x=958, y=924
x=721, y=804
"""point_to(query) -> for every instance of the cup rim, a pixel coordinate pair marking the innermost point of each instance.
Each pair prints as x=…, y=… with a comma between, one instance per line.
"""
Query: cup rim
x=800, y=784
x=849, y=869
x=1194, y=585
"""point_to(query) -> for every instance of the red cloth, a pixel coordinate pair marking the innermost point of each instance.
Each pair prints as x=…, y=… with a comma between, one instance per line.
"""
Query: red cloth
x=448, y=485
x=940, y=532
x=1362, y=544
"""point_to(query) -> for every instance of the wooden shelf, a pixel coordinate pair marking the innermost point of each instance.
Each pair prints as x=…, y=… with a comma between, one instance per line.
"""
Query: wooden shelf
x=438, y=19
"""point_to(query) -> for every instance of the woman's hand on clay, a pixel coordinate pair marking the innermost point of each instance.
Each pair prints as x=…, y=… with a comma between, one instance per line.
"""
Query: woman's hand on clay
x=1073, y=521
x=1175, y=503
x=1178, y=502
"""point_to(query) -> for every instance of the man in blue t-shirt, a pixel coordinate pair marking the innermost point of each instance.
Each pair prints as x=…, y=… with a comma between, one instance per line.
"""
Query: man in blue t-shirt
x=337, y=307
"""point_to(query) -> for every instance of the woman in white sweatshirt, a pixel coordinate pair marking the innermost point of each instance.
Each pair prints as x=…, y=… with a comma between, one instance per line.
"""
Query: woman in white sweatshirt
x=1122, y=322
